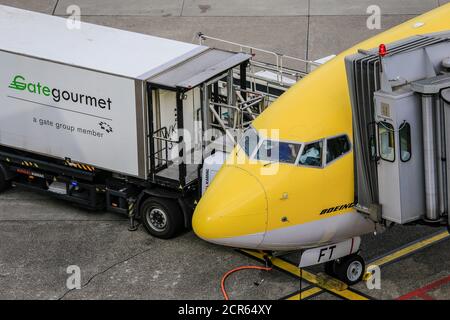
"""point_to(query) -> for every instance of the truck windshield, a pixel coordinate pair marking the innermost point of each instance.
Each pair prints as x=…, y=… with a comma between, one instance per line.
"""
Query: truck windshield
x=278, y=151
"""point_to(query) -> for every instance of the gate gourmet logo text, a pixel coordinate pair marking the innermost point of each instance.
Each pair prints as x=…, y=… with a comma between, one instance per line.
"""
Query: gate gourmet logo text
x=19, y=83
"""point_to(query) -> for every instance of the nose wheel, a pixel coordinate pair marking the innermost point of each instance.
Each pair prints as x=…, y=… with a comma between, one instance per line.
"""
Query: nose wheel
x=349, y=269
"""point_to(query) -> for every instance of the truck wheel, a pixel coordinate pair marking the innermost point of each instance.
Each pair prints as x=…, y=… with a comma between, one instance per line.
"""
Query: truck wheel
x=350, y=269
x=162, y=217
x=4, y=184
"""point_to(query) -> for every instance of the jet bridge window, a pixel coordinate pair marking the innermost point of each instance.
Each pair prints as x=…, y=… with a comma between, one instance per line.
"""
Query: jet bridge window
x=386, y=141
x=405, y=141
x=276, y=151
x=337, y=147
x=312, y=154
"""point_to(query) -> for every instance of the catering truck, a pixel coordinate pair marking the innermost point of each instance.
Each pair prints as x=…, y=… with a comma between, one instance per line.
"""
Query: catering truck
x=96, y=115
x=115, y=120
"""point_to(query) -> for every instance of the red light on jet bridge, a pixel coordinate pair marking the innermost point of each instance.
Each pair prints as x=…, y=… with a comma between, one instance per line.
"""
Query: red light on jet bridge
x=382, y=51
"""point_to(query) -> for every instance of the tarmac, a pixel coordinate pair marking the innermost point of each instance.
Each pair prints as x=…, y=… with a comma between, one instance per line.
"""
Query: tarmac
x=40, y=236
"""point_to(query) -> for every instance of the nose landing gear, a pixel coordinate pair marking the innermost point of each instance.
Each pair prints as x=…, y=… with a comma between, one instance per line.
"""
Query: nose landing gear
x=349, y=269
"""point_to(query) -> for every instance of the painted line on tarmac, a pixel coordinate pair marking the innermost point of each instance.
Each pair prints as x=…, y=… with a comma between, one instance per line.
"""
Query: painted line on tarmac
x=348, y=294
x=409, y=249
x=388, y=258
x=305, y=294
x=423, y=292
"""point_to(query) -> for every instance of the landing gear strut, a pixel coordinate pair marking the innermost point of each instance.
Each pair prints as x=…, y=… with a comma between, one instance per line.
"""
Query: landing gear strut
x=349, y=269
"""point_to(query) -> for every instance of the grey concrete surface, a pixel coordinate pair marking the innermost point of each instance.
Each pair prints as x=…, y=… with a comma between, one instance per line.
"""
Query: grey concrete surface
x=118, y=264
x=40, y=236
x=245, y=8
x=414, y=272
x=44, y=6
x=162, y=8
x=262, y=32
x=333, y=34
x=228, y=8
x=388, y=7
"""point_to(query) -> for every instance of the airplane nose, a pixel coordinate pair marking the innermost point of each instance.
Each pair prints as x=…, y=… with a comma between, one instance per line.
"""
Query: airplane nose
x=233, y=210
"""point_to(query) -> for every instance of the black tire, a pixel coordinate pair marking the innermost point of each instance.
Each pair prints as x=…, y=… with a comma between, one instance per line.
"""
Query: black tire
x=350, y=269
x=162, y=217
x=4, y=184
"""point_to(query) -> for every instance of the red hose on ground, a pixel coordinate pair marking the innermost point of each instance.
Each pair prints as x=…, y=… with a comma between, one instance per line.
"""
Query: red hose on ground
x=225, y=276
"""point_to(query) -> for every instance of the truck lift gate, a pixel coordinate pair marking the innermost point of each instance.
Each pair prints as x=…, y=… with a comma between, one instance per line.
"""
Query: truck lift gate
x=179, y=100
x=401, y=124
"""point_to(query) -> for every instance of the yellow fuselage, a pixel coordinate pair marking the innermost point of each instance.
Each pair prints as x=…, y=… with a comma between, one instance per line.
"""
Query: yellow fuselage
x=246, y=207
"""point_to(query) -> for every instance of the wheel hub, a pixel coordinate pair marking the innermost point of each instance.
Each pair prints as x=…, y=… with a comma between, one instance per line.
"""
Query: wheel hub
x=157, y=219
x=354, y=270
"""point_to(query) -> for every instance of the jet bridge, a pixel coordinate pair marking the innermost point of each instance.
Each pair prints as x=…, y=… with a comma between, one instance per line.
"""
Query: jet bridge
x=400, y=96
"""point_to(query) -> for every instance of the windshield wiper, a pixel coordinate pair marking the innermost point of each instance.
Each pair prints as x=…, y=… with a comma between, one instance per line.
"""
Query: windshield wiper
x=270, y=162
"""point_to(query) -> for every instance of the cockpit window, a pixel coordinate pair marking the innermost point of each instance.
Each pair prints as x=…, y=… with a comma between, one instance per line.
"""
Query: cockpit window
x=337, y=147
x=312, y=154
x=276, y=151
x=249, y=141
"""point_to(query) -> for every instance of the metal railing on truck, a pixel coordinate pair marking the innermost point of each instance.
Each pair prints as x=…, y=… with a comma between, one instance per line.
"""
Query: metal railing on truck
x=284, y=76
x=241, y=114
x=266, y=80
x=163, y=142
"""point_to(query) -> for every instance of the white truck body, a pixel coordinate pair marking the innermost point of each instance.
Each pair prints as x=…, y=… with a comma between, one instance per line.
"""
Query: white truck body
x=36, y=116
x=79, y=94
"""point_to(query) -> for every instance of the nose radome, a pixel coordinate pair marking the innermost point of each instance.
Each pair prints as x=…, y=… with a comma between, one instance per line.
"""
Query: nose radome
x=233, y=210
